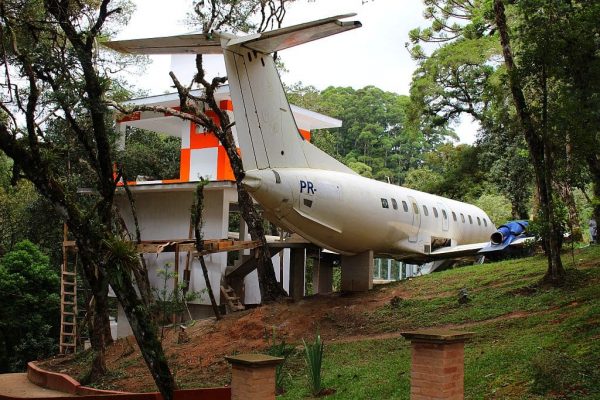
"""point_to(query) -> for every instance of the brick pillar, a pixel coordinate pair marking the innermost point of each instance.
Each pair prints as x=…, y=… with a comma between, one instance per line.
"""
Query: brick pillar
x=253, y=376
x=438, y=364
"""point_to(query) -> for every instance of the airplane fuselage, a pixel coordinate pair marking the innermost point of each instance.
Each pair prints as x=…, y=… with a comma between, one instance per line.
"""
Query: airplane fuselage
x=350, y=214
x=301, y=187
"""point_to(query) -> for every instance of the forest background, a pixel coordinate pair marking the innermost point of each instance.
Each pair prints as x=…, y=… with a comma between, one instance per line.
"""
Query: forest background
x=402, y=139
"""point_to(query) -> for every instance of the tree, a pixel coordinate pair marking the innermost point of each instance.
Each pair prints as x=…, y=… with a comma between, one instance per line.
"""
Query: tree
x=547, y=48
x=539, y=148
x=423, y=179
x=496, y=207
x=57, y=88
x=29, y=307
x=464, y=77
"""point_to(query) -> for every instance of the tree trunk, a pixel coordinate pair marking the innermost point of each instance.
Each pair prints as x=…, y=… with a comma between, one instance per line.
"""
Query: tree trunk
x=270, y=290
x=144, y=330
x=99, y=323
x=197, y=209
x=93, y=246
x=540, y=153
x=140, y=272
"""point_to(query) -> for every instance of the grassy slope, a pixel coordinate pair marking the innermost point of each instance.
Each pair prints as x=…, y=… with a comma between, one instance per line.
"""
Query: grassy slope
x=531, y=342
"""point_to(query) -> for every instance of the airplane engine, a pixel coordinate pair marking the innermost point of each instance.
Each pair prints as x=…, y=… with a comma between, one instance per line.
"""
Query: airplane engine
x=508, y=232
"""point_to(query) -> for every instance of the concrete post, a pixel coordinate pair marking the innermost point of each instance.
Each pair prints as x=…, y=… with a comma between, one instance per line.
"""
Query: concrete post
x=322, y=276
x=297, y=263
x=437, y=366
x=253, y=376
x=357, y=272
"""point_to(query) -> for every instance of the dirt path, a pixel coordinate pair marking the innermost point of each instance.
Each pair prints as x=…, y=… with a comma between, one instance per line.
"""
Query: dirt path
x=17, y=385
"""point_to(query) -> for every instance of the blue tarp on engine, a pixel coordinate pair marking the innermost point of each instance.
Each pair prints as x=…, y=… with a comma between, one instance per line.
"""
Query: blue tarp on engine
x=505, y=235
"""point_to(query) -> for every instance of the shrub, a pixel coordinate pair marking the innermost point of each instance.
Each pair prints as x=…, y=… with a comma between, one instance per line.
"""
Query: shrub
x=29, y=307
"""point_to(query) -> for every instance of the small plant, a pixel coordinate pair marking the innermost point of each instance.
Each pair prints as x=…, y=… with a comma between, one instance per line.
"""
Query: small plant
x=313, y=353
x=463, y=296
x=171, y=302
x=395, y=302
x=284, y=350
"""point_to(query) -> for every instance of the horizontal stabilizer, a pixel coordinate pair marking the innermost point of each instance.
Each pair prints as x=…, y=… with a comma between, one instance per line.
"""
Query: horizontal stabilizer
x=284, y=38
x=196, y=43
x=266, y=42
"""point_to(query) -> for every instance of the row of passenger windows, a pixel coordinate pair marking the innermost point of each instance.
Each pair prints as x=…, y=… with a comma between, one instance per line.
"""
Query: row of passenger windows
x=385, y=204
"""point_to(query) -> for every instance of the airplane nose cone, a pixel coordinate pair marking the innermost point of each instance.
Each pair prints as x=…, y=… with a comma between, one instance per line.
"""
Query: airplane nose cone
x=251, y=182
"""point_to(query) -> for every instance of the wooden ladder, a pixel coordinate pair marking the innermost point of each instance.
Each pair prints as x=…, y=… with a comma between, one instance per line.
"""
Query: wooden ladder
x=233, y=301
x=68, y=304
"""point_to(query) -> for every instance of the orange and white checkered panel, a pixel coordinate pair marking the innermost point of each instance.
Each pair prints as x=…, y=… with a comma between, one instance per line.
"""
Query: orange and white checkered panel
x=202, y=156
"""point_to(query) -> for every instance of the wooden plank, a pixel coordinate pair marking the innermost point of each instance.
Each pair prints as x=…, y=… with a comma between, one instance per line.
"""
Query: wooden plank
x=188, y=245
x=210, y=246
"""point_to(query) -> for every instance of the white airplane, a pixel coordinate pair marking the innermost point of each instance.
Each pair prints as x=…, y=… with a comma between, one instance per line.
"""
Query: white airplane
x=303, y=189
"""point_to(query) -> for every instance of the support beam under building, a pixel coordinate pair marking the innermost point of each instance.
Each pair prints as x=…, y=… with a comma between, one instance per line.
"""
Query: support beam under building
x=322, y=276
x=297, y=264
x=357, y=272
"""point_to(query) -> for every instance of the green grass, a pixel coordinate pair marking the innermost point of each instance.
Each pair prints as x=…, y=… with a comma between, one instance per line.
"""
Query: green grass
x=531, y=342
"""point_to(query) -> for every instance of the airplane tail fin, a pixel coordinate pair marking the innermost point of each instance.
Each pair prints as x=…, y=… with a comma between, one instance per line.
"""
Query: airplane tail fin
x=266, y=129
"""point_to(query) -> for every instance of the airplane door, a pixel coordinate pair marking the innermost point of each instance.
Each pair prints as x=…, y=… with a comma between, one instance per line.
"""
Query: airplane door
x=445, y=217
x=416, y=219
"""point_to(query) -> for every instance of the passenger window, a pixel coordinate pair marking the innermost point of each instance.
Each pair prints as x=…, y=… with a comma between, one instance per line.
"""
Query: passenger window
x=394, y=204
x=470, y=220
x=444, y=214
x=454, y=216
x=415, y=208
x=485, y=222
x=478, y=221
x=462, y=217
x=425, y=211
x=384, y=203
x=404, y=206
x=435, y=213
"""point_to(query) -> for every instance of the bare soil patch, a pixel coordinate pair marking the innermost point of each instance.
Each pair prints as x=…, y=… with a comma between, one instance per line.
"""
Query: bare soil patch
x=337, y=317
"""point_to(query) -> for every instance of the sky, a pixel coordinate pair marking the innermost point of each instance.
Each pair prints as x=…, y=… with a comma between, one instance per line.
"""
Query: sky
x=372, y=55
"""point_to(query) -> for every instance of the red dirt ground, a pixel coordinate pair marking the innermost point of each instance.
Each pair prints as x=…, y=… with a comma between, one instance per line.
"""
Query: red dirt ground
x=336, y=317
